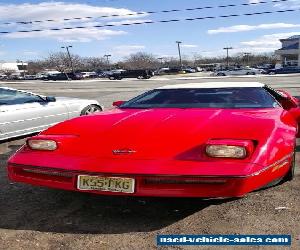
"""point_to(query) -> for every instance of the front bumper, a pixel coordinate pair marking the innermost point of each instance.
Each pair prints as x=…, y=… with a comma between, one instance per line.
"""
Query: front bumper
x=150, y=185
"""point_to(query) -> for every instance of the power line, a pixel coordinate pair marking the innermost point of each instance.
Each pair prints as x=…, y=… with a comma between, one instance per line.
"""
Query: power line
x=152, y=22
x=144, y=12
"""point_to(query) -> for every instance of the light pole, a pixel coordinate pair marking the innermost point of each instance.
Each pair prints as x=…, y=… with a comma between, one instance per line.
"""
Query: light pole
x=107, y=60
x=23, y=68
x=247, y=54
x=179, y=52
x=161, y=61
x=227, y=58
x=68, y=52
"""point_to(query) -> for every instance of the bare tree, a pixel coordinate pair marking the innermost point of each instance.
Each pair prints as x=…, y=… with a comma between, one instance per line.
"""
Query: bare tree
x=61, y=62
x=141, y=60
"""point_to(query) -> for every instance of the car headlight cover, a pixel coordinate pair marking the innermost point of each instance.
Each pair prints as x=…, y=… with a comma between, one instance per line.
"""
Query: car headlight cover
x=226, y=151
x=41, y=144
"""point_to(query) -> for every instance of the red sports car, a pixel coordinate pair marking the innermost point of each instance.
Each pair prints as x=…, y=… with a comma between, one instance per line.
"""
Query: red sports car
x=188, y=140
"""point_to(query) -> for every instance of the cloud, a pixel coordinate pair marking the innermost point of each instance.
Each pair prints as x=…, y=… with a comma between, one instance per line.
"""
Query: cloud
x=254, y=1
x=189, y=46
x=58, y=11
x=126, y=50
x=77, y=35
x=291, y=4
x=243, y=28
x=128, y=21
x=30, y=53
x=269, y=40
x=266, y=43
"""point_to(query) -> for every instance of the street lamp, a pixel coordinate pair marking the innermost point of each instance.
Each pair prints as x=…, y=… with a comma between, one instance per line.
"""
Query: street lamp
x=227, y=59
x=161, y=60
x=247, y=55
x=107, y=60
x=23, y=69
x=68, y=52
x=179, y=52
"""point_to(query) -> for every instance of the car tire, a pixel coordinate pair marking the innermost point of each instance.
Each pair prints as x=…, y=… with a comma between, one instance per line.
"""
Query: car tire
x=140, y=77
x=288, y=177
x=90, y=109
x=250, y=73
x=291, y=173
x=221, y=74
x=272, y=73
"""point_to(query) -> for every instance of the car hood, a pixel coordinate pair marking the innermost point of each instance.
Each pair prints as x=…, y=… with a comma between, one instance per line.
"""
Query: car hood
x=158, y=133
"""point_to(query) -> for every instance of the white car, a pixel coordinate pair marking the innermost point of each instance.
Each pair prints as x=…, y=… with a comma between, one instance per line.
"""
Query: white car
x=237, y=72
x=89, y=75
x=23, y=113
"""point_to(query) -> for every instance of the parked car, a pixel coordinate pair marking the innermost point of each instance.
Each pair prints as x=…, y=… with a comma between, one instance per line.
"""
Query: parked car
x=23, y=113
x=30, y=77
x=139, y=74
x=86, y=75
x=284, y=70
x=188, y=70
x=214, y=140
x=3, y=77
x=63, y=77
x=237, y=71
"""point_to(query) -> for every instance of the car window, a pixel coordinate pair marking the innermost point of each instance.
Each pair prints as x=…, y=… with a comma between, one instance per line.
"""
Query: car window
x=204, y=98
x=11, y=97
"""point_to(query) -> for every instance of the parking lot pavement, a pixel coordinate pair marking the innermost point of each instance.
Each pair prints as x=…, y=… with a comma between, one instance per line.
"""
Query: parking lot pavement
x=40, y=218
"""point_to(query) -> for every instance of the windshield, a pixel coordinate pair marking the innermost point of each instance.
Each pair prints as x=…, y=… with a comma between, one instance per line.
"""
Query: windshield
x=255, y=97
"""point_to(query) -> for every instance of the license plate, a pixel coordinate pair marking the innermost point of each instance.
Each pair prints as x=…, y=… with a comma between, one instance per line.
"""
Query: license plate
x=101, y=183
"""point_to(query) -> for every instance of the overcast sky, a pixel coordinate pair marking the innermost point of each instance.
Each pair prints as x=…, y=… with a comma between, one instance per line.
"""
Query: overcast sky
x=253, y=34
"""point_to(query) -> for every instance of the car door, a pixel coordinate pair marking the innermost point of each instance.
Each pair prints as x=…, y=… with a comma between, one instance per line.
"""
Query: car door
x=234, y=72
x=24, y=113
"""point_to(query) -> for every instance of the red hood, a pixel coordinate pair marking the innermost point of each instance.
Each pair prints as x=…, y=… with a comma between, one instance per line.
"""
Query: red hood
x=154, y=133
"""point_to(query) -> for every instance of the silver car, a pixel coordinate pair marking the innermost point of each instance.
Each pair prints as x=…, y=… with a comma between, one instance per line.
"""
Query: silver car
x=24, y=113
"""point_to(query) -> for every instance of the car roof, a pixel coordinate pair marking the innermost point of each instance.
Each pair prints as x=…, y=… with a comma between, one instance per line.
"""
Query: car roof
x=23, y=91
x=213, y=85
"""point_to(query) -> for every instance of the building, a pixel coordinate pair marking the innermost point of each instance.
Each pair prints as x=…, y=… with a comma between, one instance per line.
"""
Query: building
x=290, y=51
x=18, y=68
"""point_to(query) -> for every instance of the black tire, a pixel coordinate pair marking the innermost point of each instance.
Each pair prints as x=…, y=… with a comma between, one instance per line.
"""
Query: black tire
x=90, y=109
x=291, y=173
x=288, y=177
x=221, y=74
x=250, y=73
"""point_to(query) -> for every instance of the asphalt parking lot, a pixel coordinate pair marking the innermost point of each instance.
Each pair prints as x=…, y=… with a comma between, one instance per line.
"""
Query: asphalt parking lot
x=40, y=218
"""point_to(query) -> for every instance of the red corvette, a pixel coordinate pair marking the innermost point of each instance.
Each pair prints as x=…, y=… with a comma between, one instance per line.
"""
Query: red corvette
x=190, y=140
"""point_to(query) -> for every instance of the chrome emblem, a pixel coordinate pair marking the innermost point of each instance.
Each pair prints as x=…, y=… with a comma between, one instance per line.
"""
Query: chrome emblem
x=124, y=151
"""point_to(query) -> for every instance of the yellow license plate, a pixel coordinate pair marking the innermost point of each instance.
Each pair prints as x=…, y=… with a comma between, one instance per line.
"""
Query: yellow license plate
x=101, y=183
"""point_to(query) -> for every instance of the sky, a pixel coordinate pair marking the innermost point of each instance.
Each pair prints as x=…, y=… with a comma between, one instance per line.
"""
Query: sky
x=254, y=34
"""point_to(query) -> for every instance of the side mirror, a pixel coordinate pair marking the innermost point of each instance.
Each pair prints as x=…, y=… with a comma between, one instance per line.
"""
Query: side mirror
x=50, y=99
x=118, y=103
x=288, y=102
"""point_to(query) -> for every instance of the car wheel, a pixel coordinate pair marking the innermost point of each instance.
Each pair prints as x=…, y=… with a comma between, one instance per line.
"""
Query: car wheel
x=291, y=174
x=288, y=177
x=272, y=73
x=140, y=77
x=251, y=73
x=91, y=109
x=112, y=78
x=220, y=74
